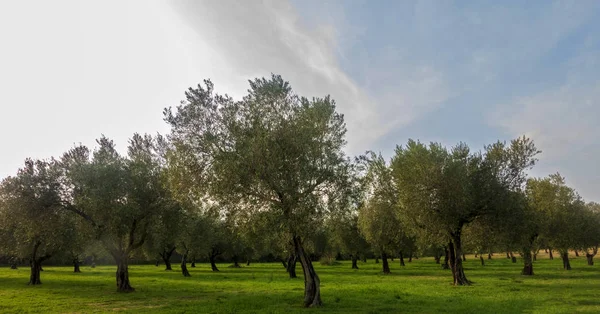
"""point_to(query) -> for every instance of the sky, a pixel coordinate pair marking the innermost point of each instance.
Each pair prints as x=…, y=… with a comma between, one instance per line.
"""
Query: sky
x=444, y=71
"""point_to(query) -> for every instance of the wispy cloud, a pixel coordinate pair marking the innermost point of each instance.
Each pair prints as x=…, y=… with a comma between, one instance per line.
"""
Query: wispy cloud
x=270, y=36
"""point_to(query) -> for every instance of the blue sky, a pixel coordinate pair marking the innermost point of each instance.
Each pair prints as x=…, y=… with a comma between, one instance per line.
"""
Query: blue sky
x=447, y=71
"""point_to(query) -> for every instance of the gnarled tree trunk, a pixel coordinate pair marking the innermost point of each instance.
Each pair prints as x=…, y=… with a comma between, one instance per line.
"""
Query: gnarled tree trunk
x=401, y=255
x=590, y=259
x=312, y=283
x=291, y=265
x=76, y=265
x=123, y=284
x=481, y=259
x=35, y=263
x=590, y=256
x=576, y=253
x=489, y=255
x=354, y=258
x=386, y=266
x=527, y=263
x=446, y=258
x=236, y=263
x=193, y=265
x=437, y=256
x=212, y=256
x=36, y=266
x=550, y=253
x=565, y=260
x=166, y=257
x=456, y=264
x=184, y=269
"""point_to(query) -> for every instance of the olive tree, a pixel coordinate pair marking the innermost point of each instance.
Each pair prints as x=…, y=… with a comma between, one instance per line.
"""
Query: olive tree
x=377, y=217
x=347, y=238
x=118, y=196
x=33, y=225
x=590, y=231
x=560, y=206
x=270, y=151
x=441, y=189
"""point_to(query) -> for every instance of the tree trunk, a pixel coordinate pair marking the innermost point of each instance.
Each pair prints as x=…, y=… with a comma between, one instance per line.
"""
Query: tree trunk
x=527, y=264
x=184, y=269
x=482, y=260
x=13, y=266
x=76, y=265
x=550, y=253
x=166, y=257
x=236, y=263
x=248, y=263
x=156, y=264
x=456, y=261
x=34, y=277
x=590, y=259
x=446, y=258
x=476, y=254
x=291, y=265
x=507, y=255
x=213, y=265
x=193, y=265
x=386, y=266
x=377, y=260
x=464, y=258
x=123, y=284
x=364, y=258
x=312, y=283
x=489, y=255
x=402, y=259
x=410, y=257
x=437, y=256
x=565, y=259
x=576, y=253
x=284, y=264
x=354, y=260
x=513, y=259
x=534, y=257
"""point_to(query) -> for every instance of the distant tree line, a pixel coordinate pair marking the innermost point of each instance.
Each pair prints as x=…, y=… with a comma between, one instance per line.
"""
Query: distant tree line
x=266, y=178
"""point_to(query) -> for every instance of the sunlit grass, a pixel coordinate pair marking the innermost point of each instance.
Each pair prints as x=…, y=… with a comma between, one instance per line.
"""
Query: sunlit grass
x=420, y=287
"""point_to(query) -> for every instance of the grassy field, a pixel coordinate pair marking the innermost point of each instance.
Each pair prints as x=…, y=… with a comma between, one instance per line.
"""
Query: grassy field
x=420, y=287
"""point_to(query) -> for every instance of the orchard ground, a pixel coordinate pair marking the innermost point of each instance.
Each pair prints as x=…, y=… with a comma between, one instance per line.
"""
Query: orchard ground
x=419, y=287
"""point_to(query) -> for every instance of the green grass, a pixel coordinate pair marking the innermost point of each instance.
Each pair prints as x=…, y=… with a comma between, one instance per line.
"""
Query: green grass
x=420, y=287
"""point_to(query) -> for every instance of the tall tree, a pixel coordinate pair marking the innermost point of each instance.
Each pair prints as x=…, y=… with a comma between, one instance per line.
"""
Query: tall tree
x=119, y=196
x=560, y=206
x=271, y=151
x=347, y=238
x=443, y=189
x=377, y=218
x=33, y=225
